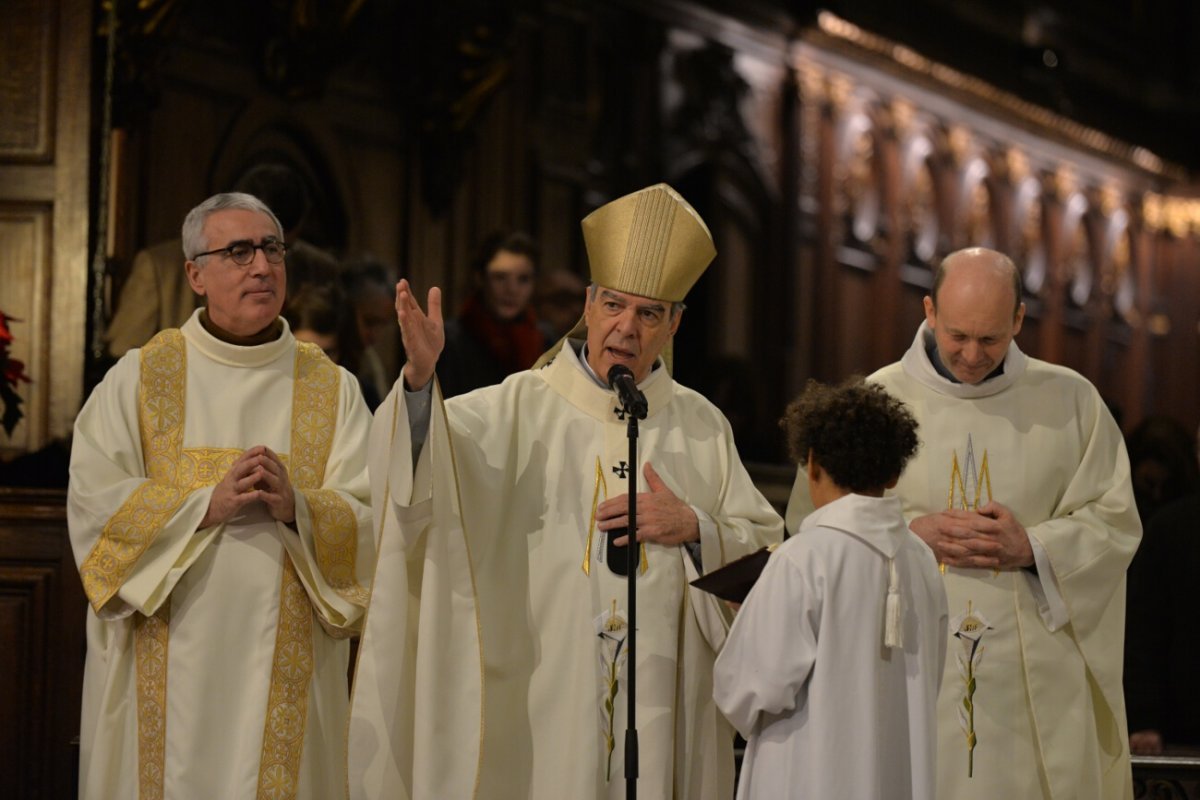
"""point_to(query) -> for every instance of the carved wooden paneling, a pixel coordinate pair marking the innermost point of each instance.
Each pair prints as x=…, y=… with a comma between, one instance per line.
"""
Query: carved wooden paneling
x=45, y=105
x=42, y=612
x=25, y=233
x=27, y=72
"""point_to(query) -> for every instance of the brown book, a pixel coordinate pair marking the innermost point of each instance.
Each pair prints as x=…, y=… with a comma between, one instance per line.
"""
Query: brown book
x=733, y=581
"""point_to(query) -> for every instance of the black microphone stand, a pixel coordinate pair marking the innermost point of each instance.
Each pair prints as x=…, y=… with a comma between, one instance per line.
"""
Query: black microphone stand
x=631, y=740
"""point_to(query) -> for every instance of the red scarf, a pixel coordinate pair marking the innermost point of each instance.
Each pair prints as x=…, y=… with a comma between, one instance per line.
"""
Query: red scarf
x=515, y=344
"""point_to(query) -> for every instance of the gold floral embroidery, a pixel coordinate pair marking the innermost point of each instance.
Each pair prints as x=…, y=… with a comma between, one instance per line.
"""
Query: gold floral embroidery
x=205, y=466
x=314, y=420
x=150, y=652
x=287, y=701
x=139, y=519
x=335, y=533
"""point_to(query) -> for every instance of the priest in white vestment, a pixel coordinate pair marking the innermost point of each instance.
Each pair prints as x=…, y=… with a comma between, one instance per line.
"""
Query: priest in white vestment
x=1022, y=489
x=493, y=663
x=832, y=667
x=218, y=510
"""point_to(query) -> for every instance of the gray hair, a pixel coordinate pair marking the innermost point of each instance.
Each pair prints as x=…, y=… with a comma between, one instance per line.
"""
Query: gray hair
x=194, y=240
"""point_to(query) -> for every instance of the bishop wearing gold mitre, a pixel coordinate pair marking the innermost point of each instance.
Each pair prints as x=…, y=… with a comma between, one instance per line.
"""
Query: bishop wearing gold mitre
x=494, y=659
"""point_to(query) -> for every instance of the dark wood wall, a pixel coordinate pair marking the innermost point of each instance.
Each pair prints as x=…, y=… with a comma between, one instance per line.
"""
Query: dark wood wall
x=832, y=175
x=41, y=657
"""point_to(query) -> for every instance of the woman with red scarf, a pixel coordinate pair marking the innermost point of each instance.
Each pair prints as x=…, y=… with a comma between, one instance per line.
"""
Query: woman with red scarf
x=496, y=333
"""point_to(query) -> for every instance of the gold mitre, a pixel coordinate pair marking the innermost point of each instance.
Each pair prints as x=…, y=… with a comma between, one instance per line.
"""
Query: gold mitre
x=650, y=243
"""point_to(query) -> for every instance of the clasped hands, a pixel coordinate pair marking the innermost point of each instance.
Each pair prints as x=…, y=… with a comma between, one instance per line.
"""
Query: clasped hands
x=257, y=474
x=662, y=517
x=989, y=538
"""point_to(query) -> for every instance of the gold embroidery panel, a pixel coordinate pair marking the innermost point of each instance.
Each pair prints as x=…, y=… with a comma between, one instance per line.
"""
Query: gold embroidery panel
x=287, y=702
x=140, y=518
x=314, y=420
x=335, y=530
x=150, y=639
x=314, y=415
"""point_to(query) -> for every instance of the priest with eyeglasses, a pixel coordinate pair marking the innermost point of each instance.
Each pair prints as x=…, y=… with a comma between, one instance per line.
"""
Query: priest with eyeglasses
x=218, y=511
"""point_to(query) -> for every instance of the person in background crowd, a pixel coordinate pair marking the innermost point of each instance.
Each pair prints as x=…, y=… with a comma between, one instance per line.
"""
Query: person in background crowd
x=320, y=315
x=1162, y=456
x=560, y=299
x=496, y=333
x=368, y=288
x=1162, y=627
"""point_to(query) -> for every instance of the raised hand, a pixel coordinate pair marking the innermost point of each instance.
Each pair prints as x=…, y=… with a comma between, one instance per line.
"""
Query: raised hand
x=424, y=335
x=662, y=517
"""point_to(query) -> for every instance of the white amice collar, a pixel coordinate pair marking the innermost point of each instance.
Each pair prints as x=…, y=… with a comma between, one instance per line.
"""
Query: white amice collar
x=237, y=355
x=917, y=365
x=573, y=378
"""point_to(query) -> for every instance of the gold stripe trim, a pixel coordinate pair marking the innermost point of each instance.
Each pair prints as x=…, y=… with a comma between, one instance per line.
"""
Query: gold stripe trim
x=600, y=484
x=129, y=532
x=314, y=421
x=287, y=702
x=150, y=640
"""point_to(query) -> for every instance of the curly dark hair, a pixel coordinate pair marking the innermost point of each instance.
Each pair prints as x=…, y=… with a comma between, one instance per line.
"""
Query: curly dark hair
x=857, y=432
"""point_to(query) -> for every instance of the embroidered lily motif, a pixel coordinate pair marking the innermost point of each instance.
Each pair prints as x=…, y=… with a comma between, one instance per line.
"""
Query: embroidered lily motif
x=612, y=628
x=968, y=628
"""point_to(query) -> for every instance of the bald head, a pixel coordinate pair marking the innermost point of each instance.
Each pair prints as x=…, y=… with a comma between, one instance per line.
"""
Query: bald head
x=983, y=262
x=974, y=311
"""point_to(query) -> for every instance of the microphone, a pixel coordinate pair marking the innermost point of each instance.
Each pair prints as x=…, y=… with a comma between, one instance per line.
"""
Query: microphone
x=620, y=379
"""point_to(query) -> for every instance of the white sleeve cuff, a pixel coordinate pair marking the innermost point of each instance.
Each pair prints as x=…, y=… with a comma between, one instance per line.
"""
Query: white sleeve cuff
x=1049, y=598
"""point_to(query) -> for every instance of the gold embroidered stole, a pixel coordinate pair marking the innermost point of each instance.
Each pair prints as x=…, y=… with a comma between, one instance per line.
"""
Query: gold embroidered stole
x=314, y=421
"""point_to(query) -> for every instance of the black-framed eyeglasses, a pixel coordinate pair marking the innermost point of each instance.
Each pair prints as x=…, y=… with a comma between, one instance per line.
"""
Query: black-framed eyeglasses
x=242, y=253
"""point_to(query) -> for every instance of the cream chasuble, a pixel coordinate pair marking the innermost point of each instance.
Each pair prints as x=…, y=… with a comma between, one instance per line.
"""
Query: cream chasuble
x=1043, y=652
x=492, y=663
x=217, y=657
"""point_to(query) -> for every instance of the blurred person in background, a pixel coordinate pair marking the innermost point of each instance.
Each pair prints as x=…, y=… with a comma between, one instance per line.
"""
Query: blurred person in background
x=560, y=301
x=368, y=288
x=496, y=333
x=320, y=315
